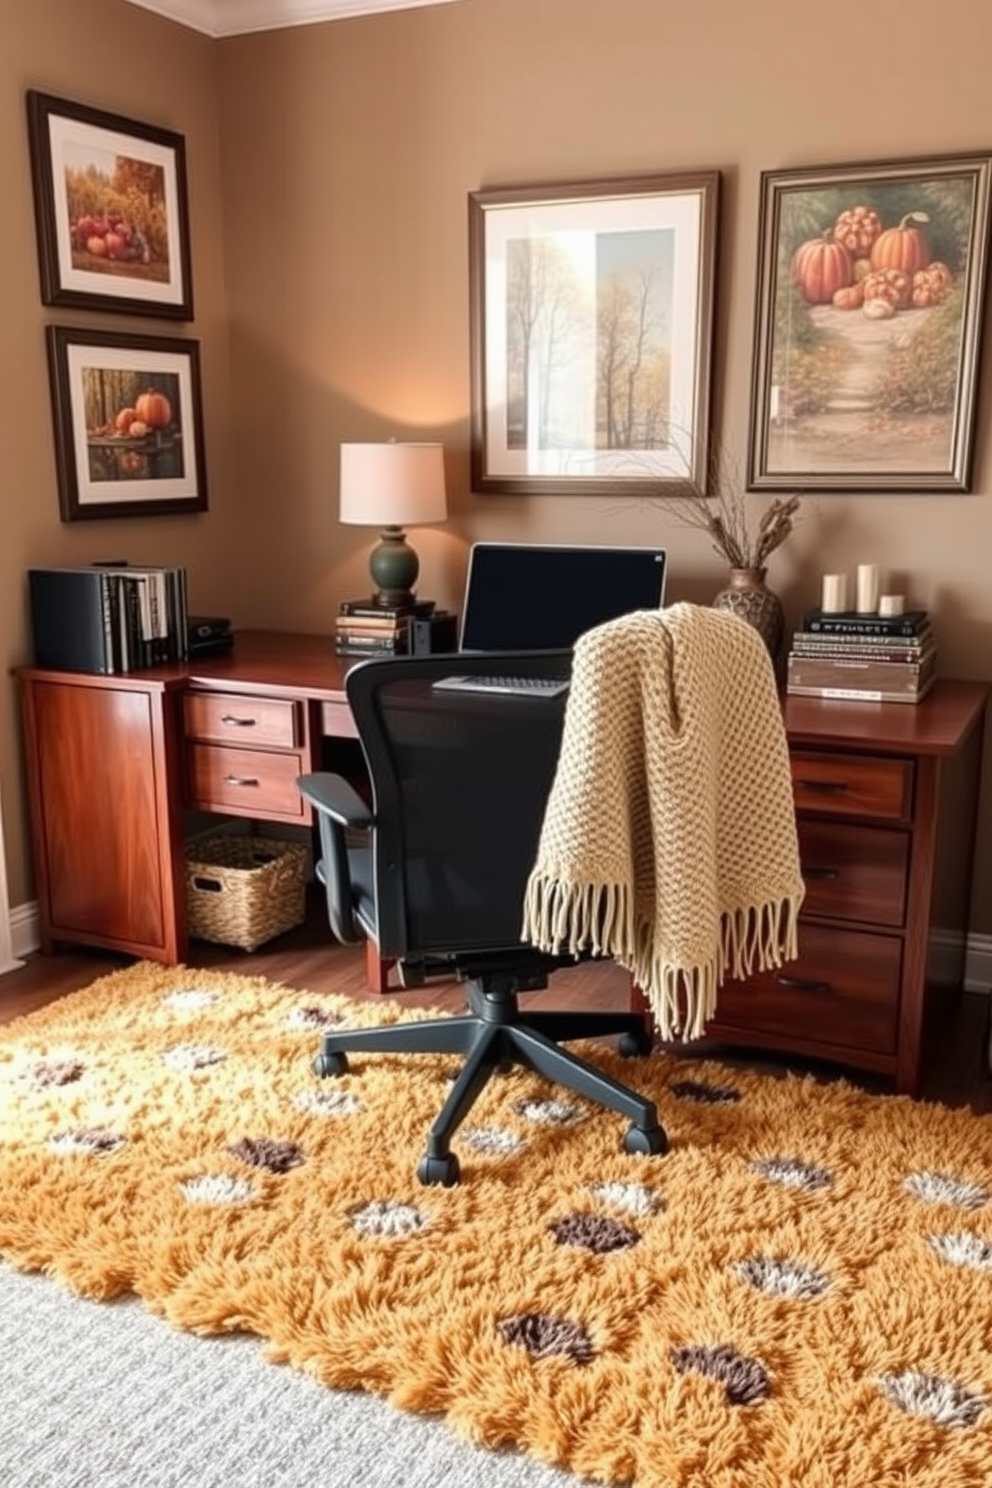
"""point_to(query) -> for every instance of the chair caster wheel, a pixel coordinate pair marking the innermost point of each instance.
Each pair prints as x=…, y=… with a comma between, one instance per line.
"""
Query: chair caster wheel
x=648, y=1142
x=442, y=1171
x=635, y=1045
x=330, y=1064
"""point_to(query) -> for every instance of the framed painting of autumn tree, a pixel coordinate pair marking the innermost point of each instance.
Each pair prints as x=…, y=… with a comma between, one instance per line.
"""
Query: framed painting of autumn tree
x=591, y=328
x=111, y=210
x=869, y=313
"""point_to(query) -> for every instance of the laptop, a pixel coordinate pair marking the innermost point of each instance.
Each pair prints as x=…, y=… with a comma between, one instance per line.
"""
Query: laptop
x=541, y=597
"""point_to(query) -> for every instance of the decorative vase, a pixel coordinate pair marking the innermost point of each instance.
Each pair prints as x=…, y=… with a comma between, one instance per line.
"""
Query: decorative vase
x=748, y=596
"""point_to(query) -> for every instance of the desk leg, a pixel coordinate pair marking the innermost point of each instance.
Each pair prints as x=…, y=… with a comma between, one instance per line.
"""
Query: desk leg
x=640, y=1004
x=377, y=969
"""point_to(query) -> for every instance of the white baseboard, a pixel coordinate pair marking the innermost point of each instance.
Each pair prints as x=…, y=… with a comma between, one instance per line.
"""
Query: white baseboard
x=25, y=933
x=24, y=930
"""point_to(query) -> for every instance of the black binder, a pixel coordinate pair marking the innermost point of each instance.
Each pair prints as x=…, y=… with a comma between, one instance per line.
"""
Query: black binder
x=72, y=621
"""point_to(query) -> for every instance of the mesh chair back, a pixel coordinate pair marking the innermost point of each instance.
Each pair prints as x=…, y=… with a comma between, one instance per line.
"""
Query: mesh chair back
x=459, y=781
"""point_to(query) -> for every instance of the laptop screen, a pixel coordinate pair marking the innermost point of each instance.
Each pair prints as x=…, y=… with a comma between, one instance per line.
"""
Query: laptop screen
x=532, y=597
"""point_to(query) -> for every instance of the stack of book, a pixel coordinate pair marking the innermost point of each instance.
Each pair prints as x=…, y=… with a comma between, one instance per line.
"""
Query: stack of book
x=366, y=628
x=872, y=658
x=109, y=618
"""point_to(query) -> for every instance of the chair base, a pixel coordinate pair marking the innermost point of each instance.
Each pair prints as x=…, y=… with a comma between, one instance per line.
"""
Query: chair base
x=494, y=1035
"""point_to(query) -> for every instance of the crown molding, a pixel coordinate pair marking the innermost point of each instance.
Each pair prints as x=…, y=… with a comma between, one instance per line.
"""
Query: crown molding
x=219, y=18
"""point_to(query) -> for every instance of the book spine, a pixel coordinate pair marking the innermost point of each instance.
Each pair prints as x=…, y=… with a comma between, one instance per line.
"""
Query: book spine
x=369, y=608
x=890, y=676
x=860, y=694
x=861, y=638
x=890, y=651
x=109, y=638
x=856, y=655
x=370, y=625
x=182, y=614
x=387, y=645
x=866, y=625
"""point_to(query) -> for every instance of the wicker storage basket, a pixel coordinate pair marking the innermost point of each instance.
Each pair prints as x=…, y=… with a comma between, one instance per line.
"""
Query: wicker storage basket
x=243, y=891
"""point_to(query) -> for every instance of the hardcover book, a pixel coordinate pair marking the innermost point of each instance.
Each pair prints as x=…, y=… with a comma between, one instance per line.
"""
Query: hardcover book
x=850, y=623
x=888, y=676
x=861, y=694
x=879, y=648
x=369, y=607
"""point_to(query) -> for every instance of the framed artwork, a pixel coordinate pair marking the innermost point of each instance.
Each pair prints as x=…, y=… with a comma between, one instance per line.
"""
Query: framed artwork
x=128, y=424
x=591, y=328
x=111, y=210
x=869, y=309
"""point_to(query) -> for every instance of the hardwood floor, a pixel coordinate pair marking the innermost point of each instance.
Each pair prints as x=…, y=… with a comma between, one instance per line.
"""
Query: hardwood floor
x=309, y=958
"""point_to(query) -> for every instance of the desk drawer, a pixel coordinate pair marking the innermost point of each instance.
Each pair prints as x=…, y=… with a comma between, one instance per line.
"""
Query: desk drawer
x=246, y=782
x=337, y=721
x=852, y=785
x=854, y=872
x=842, y=992
x=232, y=718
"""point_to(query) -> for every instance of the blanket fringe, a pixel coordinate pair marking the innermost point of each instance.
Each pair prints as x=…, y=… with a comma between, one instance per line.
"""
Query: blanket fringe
x=599, y=918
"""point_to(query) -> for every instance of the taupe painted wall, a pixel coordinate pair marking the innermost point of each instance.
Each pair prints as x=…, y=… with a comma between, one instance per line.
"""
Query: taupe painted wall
x=330, y=167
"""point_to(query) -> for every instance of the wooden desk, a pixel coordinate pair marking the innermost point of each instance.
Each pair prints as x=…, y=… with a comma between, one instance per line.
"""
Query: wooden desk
x=886, y=798
x=115, y=763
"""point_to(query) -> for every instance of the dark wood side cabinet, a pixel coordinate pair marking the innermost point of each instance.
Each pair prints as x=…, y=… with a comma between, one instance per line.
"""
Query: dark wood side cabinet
x=114, y=763
x=886, y=799
x=104, y=792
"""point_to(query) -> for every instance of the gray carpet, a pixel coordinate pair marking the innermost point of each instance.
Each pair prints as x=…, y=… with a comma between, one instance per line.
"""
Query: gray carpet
x=105, y=1395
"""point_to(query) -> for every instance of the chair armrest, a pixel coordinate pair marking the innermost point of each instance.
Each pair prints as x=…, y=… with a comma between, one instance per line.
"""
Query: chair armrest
x=338, y=806
x=335, y=797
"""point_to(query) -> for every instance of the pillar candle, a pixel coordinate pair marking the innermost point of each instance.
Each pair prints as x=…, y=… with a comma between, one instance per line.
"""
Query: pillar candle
x=891, y=604
x=867, y=589
x=834, y=598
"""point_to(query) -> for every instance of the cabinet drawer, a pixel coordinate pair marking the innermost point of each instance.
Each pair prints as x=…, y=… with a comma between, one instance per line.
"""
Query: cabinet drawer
x=852, y=785
x=271, y=723
x=841, y=992
x=854, y=872
x=247, y=782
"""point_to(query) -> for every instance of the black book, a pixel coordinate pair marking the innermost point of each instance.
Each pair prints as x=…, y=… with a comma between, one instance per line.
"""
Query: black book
x=850, y=623
x=72, y=619
x=420, y=608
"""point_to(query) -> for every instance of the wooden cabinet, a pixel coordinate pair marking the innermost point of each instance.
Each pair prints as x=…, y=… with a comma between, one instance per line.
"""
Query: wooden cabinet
x=103, y=789
x=886, y=798
x=113, y=763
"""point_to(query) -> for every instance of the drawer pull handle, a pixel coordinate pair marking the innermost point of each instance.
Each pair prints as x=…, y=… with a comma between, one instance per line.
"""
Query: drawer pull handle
x=802, y=984
x=236, y=722
x=241, y=780
x=818, y=875
x=823, y=787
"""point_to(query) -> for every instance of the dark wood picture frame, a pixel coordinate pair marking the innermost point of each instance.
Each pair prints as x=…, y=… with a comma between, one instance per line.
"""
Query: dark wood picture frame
x=111, y=210
x=591, y=325
x=868, y=324
x=128, y=419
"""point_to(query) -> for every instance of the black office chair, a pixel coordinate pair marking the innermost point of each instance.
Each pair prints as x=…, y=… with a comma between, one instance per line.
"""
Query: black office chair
x=459, y=785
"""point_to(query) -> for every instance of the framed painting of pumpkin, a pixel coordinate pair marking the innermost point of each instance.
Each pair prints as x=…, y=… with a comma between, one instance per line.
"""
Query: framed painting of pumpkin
x=868, y=321
x=128, y=424
x=111, y=210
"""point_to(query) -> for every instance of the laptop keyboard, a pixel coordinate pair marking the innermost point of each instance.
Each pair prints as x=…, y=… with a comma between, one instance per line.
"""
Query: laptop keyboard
x=545, y=687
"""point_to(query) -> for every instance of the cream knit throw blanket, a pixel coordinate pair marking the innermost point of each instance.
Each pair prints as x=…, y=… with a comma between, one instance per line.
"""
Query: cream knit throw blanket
x=669, y=838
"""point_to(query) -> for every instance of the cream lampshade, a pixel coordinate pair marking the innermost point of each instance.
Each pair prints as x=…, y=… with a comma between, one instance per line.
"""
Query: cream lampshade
x=393, y=486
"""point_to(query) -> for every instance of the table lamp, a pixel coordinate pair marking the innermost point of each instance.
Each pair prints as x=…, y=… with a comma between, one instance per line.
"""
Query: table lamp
x=393, y=486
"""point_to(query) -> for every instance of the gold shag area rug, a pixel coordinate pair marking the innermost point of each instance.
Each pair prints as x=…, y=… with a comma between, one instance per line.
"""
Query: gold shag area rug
x=799, y=1293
